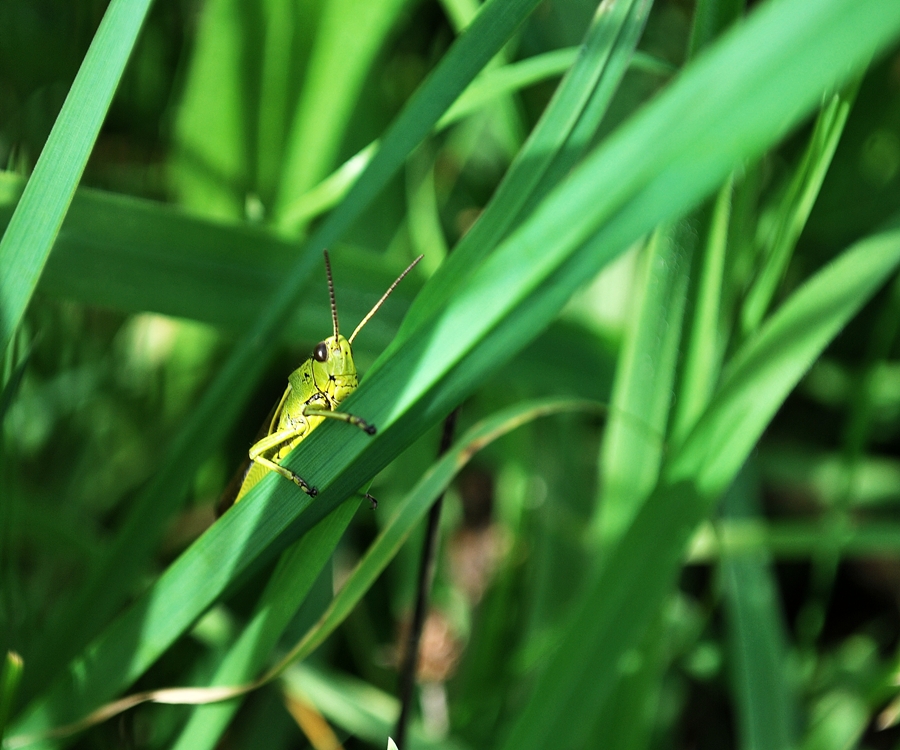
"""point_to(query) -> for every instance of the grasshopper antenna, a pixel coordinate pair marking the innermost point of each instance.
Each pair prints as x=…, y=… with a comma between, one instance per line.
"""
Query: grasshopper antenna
x=381, y=301
x=334, y=317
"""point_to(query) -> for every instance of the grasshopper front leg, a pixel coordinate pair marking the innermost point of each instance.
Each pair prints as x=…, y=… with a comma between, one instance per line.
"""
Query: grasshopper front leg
x=317, y=411
x=314, y=411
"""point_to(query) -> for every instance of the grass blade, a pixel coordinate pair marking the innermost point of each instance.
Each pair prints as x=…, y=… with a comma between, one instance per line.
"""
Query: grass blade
x=762, y=682
x=610, y=618
x=286, y=590
x=28, y=239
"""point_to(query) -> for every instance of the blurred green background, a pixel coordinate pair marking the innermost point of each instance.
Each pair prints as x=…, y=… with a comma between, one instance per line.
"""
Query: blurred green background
x=237, y=130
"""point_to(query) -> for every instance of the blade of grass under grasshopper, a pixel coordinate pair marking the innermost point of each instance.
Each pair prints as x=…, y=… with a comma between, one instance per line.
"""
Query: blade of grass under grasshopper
x=109, y=583
x=649, y=172
x=629, y=587
x=33, y=228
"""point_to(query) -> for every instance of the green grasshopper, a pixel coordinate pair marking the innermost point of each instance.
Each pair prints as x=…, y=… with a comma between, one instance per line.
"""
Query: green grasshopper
x=314, y=392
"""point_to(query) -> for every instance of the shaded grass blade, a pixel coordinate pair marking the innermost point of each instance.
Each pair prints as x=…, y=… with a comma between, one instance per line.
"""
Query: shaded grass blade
x=766, y=705
x=339, y=61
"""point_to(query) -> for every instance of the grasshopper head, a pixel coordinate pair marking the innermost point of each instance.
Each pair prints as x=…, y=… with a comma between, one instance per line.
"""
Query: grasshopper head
x=333, y=368
x=334, y=371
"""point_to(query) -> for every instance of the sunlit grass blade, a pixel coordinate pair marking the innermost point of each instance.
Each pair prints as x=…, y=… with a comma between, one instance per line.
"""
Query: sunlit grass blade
x=33, y=228
x=633, y=442
x=10, y=676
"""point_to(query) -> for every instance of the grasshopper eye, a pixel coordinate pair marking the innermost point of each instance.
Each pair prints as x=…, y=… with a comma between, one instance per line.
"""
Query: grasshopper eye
x=320, y=353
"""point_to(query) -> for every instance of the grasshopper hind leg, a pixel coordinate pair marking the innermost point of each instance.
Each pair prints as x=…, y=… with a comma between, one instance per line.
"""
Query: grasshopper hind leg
x=288, y=474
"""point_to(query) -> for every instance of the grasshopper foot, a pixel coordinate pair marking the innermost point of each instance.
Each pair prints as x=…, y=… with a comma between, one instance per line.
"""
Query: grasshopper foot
x=304, y=485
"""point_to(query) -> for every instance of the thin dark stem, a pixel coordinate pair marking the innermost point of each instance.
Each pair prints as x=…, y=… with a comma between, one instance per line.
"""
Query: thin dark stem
x=423, y=589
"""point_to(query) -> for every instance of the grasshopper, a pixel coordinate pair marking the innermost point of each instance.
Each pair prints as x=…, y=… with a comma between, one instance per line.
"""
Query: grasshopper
x=313, y=394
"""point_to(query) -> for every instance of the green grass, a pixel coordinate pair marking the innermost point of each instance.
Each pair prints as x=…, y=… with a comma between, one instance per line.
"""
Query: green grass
x=688, y=234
